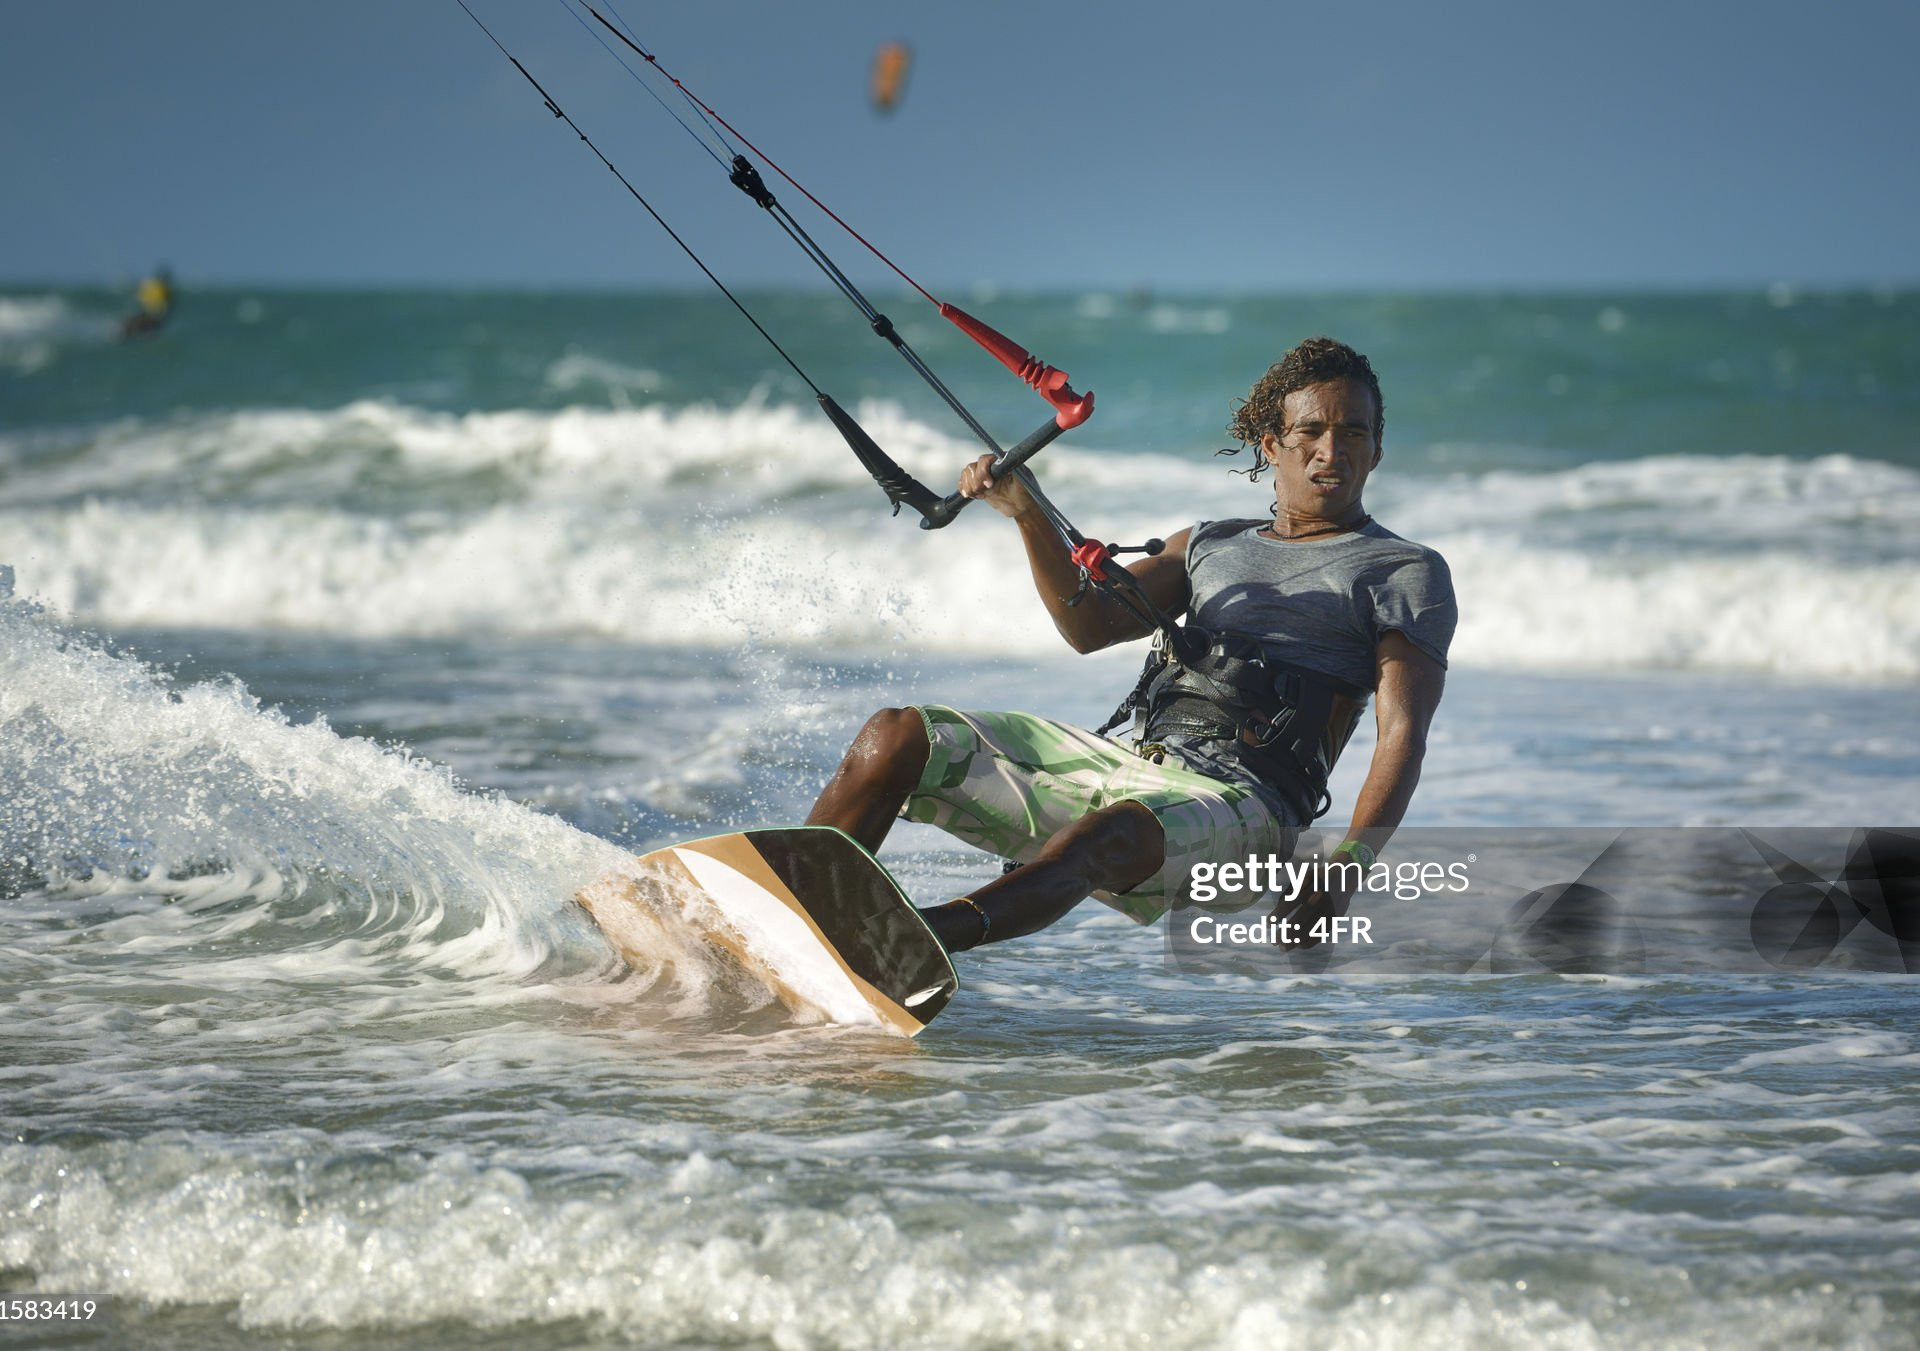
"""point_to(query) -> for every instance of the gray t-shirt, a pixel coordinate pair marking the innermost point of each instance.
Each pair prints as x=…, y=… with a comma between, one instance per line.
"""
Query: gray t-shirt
x=1321, y=604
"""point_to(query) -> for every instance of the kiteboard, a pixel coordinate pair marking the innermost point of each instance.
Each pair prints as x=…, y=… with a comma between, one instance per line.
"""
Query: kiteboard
x=805, y=910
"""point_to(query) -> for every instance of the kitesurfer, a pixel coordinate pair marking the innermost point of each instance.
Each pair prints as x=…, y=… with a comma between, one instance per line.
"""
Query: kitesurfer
x=155, y=299
x=1290, y=625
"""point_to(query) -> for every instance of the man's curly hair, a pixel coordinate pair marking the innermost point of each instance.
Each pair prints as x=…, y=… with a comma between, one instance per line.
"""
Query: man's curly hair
x=1314, y=362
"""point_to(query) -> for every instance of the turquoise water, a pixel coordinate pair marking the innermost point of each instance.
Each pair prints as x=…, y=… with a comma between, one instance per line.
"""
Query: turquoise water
x=1512, y=377
x=350, y=634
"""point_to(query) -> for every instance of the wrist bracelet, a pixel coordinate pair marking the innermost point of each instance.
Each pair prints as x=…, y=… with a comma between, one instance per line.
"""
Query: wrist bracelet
x=986, y=920
x=1359, y=850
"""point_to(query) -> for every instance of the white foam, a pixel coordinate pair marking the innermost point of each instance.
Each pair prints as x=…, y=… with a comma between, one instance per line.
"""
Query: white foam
x=1772, y=612
x=701, y=526
x=1164, y=318
x=33, y=329
x=310, y=1232
x=27, y=317
x=1829, y=506
x=114, y=782
x=579, y=370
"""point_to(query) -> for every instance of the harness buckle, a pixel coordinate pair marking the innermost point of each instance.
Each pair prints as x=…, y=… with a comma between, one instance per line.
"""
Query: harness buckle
x=1259, y=732
x=1263, y=732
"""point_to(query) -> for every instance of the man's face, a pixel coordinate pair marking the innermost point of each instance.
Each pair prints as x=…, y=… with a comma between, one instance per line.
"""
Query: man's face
x=1323, y=454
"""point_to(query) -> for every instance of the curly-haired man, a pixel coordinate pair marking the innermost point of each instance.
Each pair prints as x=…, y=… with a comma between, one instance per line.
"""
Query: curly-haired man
x=1290, y=625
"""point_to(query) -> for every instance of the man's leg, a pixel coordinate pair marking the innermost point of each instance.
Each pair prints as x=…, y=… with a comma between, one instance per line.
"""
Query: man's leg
x=1003, y=774
x=1113, y=849
x=881, y=768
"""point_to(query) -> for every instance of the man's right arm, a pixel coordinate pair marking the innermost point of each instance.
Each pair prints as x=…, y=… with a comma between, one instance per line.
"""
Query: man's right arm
x=1098, y=620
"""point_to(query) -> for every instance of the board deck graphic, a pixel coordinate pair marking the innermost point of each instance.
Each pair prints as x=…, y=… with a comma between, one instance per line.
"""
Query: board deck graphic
x=804, y=909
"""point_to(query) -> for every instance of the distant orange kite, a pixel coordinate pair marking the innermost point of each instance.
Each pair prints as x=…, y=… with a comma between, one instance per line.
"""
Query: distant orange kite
x=890, y=66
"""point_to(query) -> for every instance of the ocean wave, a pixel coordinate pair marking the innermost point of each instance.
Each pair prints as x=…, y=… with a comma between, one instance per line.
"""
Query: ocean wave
x=187, y=815
x=33, y=327
x=578, y=371
x=232, y=848
x=708, y=526
x=25, y=318
x=795, y=581
x=375, y=455
x=1777, y=613
x=667, y=1228
x=380, y=455
x=1835, y=507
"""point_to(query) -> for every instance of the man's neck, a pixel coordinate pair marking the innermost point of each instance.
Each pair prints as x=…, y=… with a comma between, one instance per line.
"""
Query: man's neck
x=1295, y=525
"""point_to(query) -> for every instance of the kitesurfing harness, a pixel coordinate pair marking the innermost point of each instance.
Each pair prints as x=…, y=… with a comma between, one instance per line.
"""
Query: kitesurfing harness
x=1284, y=722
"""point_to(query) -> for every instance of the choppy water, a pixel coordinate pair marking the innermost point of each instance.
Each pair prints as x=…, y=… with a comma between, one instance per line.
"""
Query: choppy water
x=416, y=612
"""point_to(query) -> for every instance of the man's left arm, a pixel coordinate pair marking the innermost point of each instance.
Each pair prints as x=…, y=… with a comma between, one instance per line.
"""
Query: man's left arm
x=1409, y=690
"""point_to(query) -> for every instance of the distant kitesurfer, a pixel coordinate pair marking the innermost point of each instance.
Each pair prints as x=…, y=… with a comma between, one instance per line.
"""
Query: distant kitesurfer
x=1291, y=624
x=155, y=298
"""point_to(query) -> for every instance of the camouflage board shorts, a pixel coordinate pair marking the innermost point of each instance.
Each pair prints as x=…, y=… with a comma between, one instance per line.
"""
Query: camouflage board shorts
x=1007, y=782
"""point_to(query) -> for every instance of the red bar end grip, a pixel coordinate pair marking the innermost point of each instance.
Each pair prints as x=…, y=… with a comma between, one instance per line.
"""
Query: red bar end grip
x=1069, y=408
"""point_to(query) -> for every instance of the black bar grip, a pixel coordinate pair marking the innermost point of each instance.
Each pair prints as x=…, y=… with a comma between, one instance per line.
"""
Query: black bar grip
x=948, y=507
x=901, y=488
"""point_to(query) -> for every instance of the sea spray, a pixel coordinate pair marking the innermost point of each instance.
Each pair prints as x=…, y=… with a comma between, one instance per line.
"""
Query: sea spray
x=116, y=780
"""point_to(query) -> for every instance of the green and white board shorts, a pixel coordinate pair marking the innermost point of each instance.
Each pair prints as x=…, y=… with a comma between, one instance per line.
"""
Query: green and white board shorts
x=1008, y=782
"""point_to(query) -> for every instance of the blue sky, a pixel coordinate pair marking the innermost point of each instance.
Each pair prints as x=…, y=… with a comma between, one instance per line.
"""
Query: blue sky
x=1221, y=146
